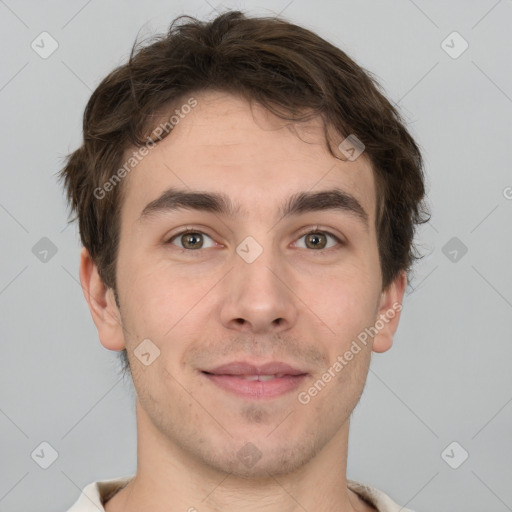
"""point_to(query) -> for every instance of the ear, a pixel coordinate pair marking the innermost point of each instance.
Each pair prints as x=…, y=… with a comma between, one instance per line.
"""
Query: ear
x=388, y=314
x=102, y=304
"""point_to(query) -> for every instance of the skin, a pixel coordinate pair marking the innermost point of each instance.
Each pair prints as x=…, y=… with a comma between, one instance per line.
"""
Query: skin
x=208, y=306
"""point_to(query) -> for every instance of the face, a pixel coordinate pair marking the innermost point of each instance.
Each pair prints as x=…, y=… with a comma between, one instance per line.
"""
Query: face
x=248, y=279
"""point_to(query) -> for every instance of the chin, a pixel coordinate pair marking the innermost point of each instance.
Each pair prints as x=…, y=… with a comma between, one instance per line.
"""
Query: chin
x=261, y=458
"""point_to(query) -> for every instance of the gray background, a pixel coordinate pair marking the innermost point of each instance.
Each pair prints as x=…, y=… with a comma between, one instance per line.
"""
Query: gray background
x=446, y=377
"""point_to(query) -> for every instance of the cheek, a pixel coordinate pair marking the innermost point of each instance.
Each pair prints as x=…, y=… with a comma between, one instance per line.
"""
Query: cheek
x=160, y=300
x=346, y=301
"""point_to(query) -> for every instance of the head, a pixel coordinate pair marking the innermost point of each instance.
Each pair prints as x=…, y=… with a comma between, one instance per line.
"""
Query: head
x=255, y=109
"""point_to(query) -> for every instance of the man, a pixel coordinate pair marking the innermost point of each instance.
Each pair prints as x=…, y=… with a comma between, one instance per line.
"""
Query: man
x=247, y=201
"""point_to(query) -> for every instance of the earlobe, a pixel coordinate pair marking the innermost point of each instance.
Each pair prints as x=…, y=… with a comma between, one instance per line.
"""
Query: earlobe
x=388, y=315
x=102, y=305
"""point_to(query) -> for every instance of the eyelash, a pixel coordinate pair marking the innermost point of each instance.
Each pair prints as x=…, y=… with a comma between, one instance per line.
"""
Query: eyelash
x=308, y=232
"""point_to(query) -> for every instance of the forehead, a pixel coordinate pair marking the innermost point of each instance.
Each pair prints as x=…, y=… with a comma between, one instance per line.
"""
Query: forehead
x=226, y=145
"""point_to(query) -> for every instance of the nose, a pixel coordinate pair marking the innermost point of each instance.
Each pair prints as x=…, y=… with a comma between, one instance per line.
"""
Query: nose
x=258, y=297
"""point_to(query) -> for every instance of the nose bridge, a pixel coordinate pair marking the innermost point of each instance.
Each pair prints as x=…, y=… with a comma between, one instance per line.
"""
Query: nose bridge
x=257, y=298
x=257, y=263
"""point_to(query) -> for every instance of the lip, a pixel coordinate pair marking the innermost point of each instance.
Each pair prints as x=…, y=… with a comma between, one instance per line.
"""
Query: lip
x=230, y=377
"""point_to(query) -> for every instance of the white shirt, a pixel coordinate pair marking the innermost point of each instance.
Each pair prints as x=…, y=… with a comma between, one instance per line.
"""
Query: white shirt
x=97, y=493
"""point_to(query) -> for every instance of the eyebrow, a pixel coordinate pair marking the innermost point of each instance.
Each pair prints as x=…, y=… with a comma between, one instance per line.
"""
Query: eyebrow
x=302, y=202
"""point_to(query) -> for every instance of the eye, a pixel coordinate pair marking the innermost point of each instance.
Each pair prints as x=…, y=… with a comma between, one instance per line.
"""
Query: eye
x=191, y=240
x=318, y=240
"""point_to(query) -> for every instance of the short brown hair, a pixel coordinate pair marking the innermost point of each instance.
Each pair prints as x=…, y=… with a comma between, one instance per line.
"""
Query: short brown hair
x=285, y=67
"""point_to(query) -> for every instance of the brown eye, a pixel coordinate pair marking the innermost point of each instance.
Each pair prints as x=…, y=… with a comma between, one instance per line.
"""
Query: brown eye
x=318, y=240
x=191, y=240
